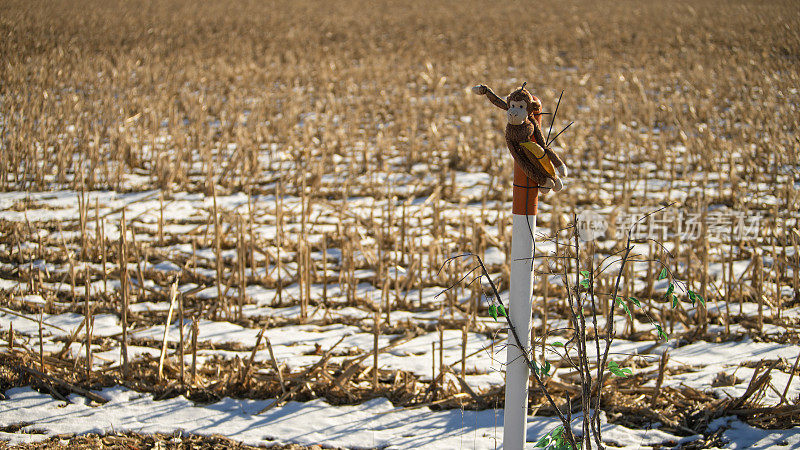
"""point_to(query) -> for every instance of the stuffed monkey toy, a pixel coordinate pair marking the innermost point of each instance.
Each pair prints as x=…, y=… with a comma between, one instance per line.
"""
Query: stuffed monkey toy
x=525, y=140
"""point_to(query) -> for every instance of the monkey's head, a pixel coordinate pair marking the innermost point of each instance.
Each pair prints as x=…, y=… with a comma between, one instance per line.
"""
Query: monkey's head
x=521, y=104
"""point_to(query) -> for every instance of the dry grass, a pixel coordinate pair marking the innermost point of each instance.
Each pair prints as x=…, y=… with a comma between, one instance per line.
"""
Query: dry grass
x=133, y=440
x=95, y=92
x=694, y=102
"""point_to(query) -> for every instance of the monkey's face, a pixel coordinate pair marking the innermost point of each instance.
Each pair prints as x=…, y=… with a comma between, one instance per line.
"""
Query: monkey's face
x=517, y=112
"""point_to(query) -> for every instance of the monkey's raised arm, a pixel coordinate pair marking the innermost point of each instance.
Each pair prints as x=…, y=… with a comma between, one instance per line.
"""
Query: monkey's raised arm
x=496, y=101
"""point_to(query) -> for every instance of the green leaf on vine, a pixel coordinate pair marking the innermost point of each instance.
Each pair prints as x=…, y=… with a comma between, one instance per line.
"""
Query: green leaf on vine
x=501, y=311
x=621, y=301
x=614, y=368
x=557, y=344
x=543, y=442
x=635, y=302
x=661, y=333
x=555, y=440
x=493, y=312
x=663, y=274
x=627, y=310
x=586, y=273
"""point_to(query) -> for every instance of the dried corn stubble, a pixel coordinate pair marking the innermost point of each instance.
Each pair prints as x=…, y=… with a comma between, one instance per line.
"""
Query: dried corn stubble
x=694, y=102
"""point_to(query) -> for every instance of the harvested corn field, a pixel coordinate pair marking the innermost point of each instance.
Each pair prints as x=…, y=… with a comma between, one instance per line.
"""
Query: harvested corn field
x=238, y=221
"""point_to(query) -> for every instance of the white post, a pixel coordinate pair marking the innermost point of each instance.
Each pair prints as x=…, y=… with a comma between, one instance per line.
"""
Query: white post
x=517, y=370
x=525, y=207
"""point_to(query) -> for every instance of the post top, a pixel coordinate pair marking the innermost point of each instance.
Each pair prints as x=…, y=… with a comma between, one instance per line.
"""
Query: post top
x=525, y=194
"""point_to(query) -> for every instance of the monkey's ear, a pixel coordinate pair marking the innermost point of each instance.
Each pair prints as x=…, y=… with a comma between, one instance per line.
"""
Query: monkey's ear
x=534, y=106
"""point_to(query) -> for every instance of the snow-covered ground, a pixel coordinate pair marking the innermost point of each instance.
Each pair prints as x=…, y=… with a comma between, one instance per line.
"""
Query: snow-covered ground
x=696, y=364
x=373, y=424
